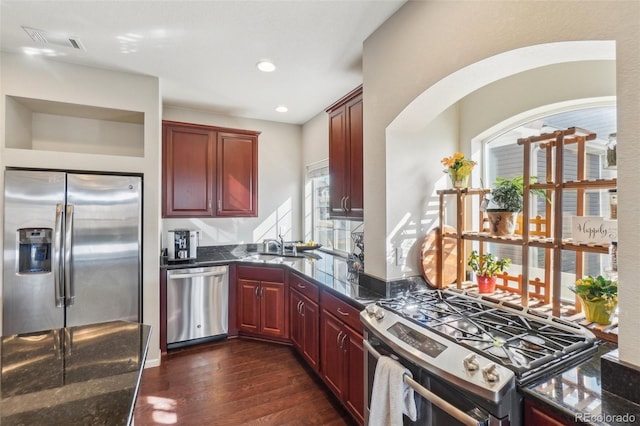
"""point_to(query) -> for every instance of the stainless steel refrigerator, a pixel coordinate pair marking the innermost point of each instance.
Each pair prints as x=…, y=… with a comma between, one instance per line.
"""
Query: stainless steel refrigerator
x=72, y=249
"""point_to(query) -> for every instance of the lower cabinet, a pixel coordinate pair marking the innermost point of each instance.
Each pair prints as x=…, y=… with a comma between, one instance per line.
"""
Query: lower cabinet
x=262, y=309
x=342, y=353
x=536, y=415
x=305, y=328
x=304, y=299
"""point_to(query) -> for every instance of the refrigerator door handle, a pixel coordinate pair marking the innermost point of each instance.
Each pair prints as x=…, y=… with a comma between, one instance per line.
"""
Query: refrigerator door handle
x=68, y=282
x=57, y=259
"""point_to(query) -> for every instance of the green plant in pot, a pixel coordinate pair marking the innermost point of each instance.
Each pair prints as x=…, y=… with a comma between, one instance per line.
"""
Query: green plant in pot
x=507, y=199
x=486, y=268
x=599, y=297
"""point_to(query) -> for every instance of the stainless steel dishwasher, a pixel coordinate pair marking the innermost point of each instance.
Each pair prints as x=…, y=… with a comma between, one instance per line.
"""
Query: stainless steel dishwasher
x=197, y=305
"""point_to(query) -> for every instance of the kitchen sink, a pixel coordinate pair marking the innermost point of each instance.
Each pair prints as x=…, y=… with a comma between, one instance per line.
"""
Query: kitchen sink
x=269, y=258
x=285, y=254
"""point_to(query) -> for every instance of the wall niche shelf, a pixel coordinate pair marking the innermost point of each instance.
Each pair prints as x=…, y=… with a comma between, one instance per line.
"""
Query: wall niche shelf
x=544, y=232
x=44, y=125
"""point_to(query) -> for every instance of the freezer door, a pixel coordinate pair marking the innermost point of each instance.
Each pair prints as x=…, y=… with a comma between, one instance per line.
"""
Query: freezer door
x=102, y=249
x=31, y=199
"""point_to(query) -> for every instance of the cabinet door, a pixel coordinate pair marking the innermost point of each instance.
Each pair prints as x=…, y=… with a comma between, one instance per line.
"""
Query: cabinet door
x=297, y=320
x=237, y=175
x=355, y=201
x=354, y=391
x=188, y=160
x=537, y=416
x=248, y=305
x=311, y=333
x=272, y=309
x=332, y=357
x=338, y=160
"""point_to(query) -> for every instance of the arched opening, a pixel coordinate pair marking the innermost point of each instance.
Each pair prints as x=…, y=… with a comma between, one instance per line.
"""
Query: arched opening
x=449, y=115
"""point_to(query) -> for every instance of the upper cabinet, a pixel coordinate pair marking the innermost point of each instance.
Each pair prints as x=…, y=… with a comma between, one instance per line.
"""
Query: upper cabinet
x=237, y=174
x=345, y=156
x=209, y=171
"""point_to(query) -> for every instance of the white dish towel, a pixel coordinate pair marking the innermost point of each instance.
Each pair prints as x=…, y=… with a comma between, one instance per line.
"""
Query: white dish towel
x=391, y=396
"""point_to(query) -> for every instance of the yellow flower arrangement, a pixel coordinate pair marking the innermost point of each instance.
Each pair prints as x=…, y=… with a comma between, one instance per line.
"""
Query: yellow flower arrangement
x=599, y=297
x=597, y=288
x=458, y=163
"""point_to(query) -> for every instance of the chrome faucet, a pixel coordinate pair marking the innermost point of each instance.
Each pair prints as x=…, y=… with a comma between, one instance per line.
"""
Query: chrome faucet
x=281, y=243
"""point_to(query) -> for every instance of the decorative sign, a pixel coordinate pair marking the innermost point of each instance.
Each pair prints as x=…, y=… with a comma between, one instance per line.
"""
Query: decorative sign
x=593, y=229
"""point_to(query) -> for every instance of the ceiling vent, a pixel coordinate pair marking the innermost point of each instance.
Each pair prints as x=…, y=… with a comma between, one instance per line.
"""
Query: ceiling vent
x=55, y=39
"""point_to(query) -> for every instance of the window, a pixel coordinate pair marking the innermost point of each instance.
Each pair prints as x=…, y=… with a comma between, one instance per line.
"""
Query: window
x=334, y=235
x=503, y=157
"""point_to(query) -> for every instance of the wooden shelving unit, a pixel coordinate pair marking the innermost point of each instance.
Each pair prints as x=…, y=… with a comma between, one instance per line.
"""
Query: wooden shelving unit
x=539, y=232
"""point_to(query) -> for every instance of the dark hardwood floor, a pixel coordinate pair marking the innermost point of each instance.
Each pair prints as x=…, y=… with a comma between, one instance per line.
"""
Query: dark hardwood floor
x=235, y=382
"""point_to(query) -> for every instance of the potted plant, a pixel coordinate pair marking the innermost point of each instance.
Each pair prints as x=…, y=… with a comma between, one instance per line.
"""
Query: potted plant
x=486, y=268
x=459, y=169
x=507, y=197
x=599, y=297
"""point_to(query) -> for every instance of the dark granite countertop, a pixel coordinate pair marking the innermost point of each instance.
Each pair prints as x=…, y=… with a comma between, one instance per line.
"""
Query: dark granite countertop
x=73, y=376
x=577, y=395
x=325, y=269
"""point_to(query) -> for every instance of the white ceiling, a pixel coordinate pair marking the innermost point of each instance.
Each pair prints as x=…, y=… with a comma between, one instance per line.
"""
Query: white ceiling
x=204, y=52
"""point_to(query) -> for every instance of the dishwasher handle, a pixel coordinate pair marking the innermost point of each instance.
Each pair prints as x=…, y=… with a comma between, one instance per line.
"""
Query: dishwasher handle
x=196, y=274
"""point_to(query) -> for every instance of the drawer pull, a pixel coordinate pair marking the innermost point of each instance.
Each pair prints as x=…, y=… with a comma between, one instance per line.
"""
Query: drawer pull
x=301, y=286
x=341, y=312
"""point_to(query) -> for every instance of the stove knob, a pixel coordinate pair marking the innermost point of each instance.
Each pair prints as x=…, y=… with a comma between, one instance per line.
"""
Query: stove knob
x=490, y=373
x=379, y=313
x=370, y=309
x=471, y=362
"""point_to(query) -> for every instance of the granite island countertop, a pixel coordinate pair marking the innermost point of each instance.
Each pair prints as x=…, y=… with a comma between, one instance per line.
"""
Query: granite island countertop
x=73, y=376
x=577, y=395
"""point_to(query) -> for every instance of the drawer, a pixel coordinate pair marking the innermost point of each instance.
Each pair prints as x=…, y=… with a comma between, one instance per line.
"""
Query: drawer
x=260, y=273
x=305, y=287
x=342, y=310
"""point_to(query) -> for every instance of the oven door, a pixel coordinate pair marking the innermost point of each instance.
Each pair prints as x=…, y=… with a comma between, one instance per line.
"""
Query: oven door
x=437, y=403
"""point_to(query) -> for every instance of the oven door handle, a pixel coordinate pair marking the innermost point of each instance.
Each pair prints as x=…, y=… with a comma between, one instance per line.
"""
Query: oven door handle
x=445, y=406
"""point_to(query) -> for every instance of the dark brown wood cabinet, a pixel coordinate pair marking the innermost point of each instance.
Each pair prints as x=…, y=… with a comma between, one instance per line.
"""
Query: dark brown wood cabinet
x=536, y=415
x=261, y=302
x=305, y=319
x=209, y=171
x=345, y=156
x=342, y=353
x=237, y=175
x=188, y=179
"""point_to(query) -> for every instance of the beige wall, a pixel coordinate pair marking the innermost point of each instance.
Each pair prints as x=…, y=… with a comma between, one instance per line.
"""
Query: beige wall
x=425, y=42
x=37, y=78
x=315, y=139
x=279, y=182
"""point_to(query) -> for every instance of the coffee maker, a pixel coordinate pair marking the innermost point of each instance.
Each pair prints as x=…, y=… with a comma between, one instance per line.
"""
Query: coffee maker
x=182, y=245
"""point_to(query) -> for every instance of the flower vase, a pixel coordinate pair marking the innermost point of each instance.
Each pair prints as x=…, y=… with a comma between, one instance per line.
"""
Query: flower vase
x=598, y=311
x=459, y=179
x=486, y=284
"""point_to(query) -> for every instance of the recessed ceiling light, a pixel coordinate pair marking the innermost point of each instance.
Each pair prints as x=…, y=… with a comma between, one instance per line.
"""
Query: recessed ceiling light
x=266, y=66
x=282, y=108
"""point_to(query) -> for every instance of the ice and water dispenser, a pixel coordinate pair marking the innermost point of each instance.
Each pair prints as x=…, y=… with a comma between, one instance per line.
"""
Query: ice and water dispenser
x=35, y=251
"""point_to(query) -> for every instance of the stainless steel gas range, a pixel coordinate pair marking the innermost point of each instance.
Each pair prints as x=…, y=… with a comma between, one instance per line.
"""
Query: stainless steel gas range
x=468, y=355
